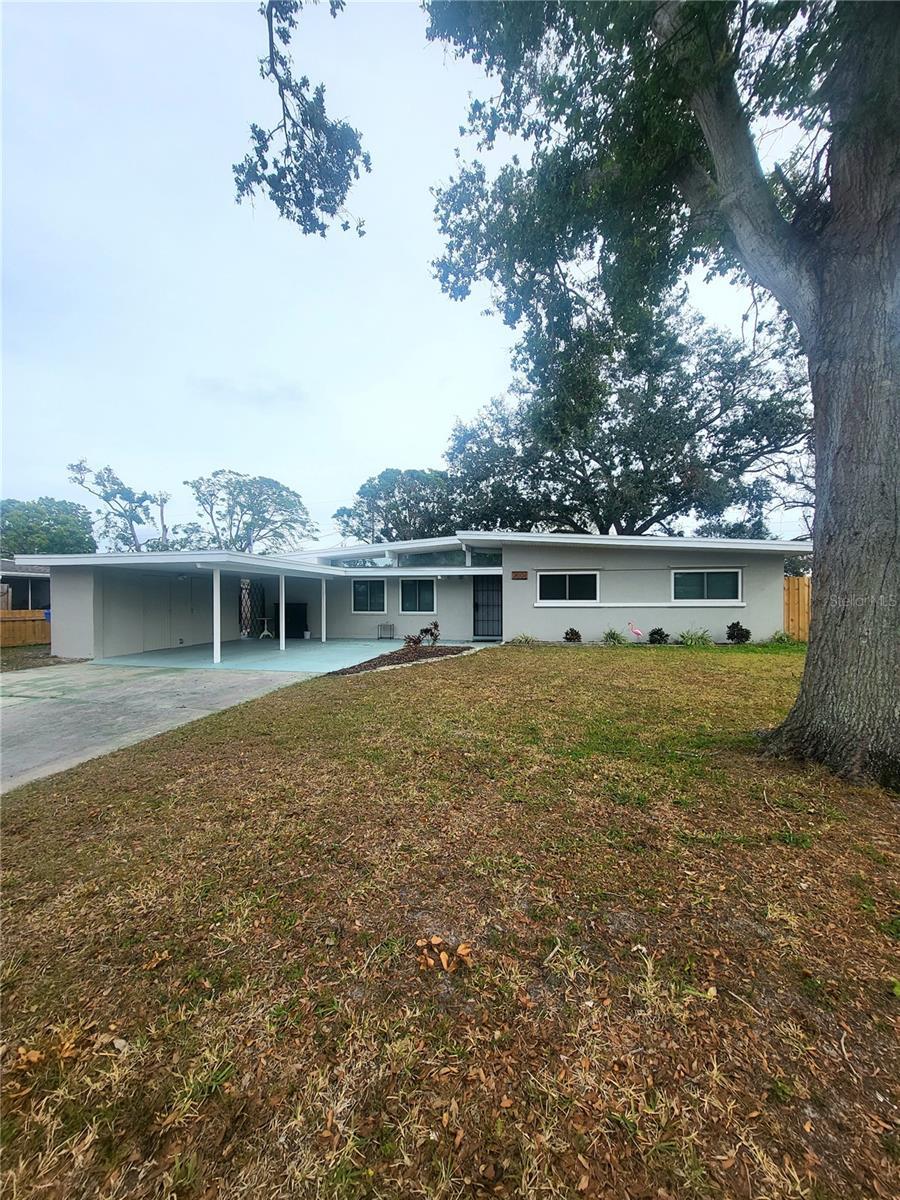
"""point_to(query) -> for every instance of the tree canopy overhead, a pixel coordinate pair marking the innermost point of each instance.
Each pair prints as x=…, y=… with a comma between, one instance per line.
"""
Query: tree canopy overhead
x=303, y=160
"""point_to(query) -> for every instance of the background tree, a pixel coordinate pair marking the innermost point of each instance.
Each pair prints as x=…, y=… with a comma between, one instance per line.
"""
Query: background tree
x=643, y=122
x=629, y=435
x=124, y=510
x=398, y=506
x=251, y=513
x=45, y=526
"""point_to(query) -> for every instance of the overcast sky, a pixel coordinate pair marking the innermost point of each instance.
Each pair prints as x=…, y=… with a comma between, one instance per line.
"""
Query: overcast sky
x=153, y=324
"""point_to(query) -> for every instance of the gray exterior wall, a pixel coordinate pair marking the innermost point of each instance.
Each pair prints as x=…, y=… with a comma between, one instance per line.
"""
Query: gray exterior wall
x=635, y=585
x=104, y=612
x=72, y=624
x=144, y=610
x=453, y=601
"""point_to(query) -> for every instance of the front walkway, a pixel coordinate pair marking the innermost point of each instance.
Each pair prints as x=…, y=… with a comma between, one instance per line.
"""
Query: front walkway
x=251, y=654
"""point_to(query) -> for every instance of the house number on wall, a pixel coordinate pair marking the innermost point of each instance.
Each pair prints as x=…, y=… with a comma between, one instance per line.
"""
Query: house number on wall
x=520, y=574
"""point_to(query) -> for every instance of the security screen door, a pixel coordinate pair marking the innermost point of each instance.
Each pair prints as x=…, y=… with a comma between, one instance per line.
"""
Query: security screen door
x=487, y=598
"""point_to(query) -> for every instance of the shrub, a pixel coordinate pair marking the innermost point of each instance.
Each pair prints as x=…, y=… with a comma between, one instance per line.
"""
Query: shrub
x=737, y=633
x=432, y=632
x=571, y=635
x=783, y=638
x=413, y=639
x=612, y=637
x=695, y=638
x=657, y=636
x=523, y=639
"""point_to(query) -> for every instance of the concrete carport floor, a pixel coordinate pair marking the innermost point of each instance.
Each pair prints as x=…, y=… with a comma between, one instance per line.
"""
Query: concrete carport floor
x=56, y=717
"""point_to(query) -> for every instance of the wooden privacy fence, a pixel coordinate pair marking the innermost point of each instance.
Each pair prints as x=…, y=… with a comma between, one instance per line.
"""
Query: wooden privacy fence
x=797, y=593
x=24, y=627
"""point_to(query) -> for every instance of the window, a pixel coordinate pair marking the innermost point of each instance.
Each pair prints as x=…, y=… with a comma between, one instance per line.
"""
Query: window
x=487, y=558
x=368, y=596
x=417, y=595
x=432, y=558
x=716, y=585
x=576, y=587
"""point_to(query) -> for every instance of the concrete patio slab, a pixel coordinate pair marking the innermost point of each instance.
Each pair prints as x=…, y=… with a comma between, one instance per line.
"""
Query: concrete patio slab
x=52, y=718
x=310, y=657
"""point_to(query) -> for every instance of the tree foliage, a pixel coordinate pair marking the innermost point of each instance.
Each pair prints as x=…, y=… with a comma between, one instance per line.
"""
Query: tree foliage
x=306, y=161
x=397, y=506
x=124, y=511
x=251, y=513
x=679, y=422
x=45, y=526
x=640, y=121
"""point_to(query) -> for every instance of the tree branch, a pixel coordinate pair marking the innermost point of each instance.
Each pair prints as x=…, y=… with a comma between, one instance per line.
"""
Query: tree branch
x=772, y=252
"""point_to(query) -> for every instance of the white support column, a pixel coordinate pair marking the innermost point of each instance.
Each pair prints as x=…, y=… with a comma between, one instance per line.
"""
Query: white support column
x=323, y=611
x=282, y=616
x=217, y=614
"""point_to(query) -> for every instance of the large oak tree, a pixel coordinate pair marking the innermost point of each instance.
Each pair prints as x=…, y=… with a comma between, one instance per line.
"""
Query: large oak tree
x=644, y=122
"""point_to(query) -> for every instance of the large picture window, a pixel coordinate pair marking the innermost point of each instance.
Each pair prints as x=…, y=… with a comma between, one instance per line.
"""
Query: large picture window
x=417, y=595
x=569, y=587
x=368, y=596
x=719, y=585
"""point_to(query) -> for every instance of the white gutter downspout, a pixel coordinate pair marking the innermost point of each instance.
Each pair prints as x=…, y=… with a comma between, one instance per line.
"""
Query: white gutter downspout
x=323, y=611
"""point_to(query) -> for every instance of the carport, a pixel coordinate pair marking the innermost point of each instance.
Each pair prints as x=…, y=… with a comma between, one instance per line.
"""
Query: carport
x=204, y=605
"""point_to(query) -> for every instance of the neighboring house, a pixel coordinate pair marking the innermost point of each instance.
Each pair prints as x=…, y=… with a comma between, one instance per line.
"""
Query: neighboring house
x=488, y=586
x=23, y=588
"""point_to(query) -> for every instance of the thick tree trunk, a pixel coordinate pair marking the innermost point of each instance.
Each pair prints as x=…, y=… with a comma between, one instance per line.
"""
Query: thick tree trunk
x=847, y=714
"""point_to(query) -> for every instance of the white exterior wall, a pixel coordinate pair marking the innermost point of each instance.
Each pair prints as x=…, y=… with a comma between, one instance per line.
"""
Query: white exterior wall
x=72, y=623
x=453, y=601
x=635, y=585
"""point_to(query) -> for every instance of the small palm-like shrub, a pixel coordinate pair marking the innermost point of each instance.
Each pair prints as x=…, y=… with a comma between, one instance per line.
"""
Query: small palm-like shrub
x=695, y=638
x=523, y=639
x=430, y=633
x=612, y=637
x=737, y=633
x=657, y=636
x=572, y=635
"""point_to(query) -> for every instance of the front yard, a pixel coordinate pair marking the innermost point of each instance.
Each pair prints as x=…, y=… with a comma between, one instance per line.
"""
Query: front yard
x=535, y=922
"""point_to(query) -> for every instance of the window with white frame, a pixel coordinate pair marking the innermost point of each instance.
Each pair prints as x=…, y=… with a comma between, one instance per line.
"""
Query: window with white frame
x=368, y=596
x=568, y=587
x=719, y=584
x=417, y=596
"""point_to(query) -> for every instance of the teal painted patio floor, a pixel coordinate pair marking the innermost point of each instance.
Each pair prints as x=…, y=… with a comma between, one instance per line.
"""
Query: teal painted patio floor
x=310, y=657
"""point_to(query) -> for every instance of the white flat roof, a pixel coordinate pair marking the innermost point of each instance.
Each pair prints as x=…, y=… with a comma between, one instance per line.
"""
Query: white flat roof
x=643, y=540
x=302, y=566
x=499, y=538
x=181, y=560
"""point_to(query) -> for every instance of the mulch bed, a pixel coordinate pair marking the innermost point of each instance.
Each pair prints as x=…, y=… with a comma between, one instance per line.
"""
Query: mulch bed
x=408, y=654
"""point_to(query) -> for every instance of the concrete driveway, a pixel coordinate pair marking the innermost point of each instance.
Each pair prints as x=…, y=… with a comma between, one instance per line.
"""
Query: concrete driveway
x=55, y=717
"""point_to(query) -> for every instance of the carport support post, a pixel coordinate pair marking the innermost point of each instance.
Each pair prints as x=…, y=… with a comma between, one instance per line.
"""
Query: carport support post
x=217, y=614
x=323, y=611
x=282, y=617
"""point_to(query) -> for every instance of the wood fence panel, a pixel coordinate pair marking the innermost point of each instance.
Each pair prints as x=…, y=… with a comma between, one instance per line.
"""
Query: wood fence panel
x=24, y=627
x=797, y=595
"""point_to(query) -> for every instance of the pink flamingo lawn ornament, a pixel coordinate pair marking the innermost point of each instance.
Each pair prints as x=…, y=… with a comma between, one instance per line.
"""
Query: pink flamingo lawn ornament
x=634, y=630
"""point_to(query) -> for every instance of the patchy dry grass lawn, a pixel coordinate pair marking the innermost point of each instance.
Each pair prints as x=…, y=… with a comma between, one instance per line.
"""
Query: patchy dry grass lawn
x=531, y=923
x=23, y=658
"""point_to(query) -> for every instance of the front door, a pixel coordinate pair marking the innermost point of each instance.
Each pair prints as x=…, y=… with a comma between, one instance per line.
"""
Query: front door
x=487, y=597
